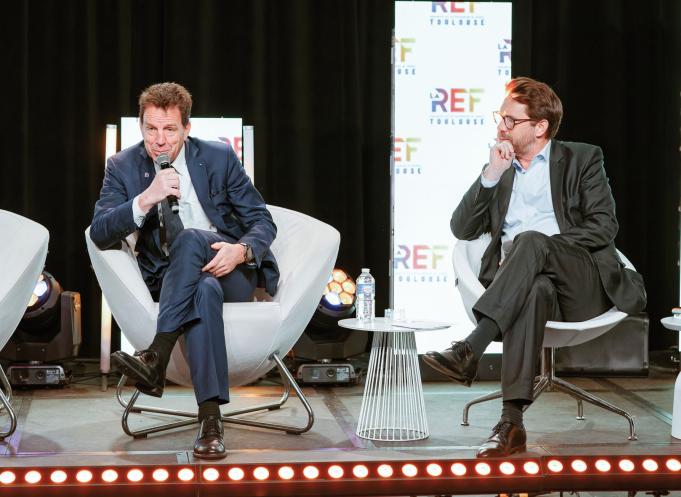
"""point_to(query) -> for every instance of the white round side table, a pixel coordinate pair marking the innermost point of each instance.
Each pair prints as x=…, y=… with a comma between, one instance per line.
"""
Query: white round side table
x=393, y=409
x=671, y=323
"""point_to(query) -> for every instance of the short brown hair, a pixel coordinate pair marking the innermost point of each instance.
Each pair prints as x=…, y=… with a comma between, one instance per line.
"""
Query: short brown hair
x=165, y=96
x=541, y=101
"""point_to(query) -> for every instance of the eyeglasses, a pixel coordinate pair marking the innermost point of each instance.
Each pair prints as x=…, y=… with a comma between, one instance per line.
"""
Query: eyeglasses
x=509, y=121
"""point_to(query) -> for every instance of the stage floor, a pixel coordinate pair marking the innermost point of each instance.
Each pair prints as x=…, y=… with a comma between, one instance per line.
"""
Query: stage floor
x=80, y=425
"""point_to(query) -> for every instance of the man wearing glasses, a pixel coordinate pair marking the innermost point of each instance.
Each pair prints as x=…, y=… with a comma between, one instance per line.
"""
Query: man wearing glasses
x=551, y=215
x=213, y=247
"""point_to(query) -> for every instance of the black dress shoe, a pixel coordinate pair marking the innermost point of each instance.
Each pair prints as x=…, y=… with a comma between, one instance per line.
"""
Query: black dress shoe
x=458, y=362
x=506, y=439
x=143, y=367
x=209, y=442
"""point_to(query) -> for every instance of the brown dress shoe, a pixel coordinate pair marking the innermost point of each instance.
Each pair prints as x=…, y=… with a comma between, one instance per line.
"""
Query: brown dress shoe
x=209, y=442
x=506, y=439
x=458, y=362
x=144, y=367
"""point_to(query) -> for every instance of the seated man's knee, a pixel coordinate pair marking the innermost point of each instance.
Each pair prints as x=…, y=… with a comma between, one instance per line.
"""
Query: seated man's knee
x=209, y=285
x=189, y=239
x=530, y=238
x=543, y=287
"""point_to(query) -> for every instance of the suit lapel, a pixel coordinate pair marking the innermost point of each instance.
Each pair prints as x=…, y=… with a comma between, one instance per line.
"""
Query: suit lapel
x=557, y=171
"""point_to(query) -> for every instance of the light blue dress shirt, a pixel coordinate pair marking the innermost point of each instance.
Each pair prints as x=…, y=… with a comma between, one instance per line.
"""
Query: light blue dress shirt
x=531, y=204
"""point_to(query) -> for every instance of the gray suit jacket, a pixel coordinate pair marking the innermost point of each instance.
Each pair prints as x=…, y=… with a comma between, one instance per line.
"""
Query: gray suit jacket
x=585, y=211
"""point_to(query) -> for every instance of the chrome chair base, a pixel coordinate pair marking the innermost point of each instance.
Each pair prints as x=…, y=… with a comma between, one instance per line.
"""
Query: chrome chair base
x=548, y=381
x=289, y=382
x=6, y=404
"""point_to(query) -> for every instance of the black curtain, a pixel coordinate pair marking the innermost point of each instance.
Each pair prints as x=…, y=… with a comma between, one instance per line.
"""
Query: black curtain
x=313, y=77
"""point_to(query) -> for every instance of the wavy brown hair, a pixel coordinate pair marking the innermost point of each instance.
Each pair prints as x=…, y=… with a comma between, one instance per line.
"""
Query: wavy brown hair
x=541, y=101
x=164, y=96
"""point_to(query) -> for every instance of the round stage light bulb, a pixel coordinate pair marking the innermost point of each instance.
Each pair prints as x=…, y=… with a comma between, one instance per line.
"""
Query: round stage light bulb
x=626, y=465
x=261, y=473
x=311, y=472
x=602, y=465
x=482, y=468
x=555, y=466
x=211, y=474
x=32, y=477
x=84, y=476
x=333, y=298
x=185, y=474
x=236, y=474
x=434, y=469
x=40, y=287
x=336, y=472
x=578, y=465
x=650, y=465
x=339, y=275
x=7, y=477
x=109, y=475
x=458, y=469
x=286, y=472
x=58, y=476
x=673, y=464
x=160, y=474
x=409, y=470
x=360, y=471
x=135, y=475
x=531, y=468
x=507, y=468
x=385, y=470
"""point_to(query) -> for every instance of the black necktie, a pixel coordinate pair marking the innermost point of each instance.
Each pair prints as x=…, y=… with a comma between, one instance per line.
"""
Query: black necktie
x=171, y=225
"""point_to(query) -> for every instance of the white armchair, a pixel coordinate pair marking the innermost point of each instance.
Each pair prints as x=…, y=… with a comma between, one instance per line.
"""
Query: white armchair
x=22, y=259
x=466, y=259
x=257, y=334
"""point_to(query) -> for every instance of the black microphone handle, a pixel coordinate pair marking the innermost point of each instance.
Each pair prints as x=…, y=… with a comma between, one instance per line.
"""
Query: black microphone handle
x=172, y=199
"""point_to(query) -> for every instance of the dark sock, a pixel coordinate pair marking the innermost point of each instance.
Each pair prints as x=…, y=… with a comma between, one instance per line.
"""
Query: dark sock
x=483, y=334
x=163, y=344
x=209, y=407
x=512, y=410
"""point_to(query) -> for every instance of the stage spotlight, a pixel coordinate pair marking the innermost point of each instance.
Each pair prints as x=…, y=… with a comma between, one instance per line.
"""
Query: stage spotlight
x=50, y=331
x=326, y=342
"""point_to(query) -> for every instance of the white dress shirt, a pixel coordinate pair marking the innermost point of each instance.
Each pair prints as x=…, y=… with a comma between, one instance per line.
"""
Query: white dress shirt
x=531, y=204
x=191, y=211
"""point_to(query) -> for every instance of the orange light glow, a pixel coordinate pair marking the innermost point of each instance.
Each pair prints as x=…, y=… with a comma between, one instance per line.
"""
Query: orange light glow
x=531, y=467
x=507, y=468
x=434, y=469
x=58, y=476
x=286, y=472
x=578, y=465
x=7, y=477
x=602, y=465
x=458, y=469
x=385, y=470
x=135, y=475
x=160, y=475
x=650, y=465
x=673, y=464
x=211, y=474
x=84, y=476
x=261, y=473
x=626, y=465
x=32, y=477
x=236, y=474
x=185, y=474
x=555, y=466
x=336, y=472
x=482, y=468
x=311, y=472
x=360, y=471
x=109, y=475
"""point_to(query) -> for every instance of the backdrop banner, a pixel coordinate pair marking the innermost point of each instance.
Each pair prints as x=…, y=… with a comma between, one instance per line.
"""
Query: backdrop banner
x=451, y=61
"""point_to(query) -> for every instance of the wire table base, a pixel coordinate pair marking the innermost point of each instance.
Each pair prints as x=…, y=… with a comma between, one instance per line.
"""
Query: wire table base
x=393, y=409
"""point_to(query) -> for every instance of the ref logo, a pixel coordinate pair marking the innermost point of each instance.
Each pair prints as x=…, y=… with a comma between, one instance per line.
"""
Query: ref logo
x=452, y=7
x=423, y=257
x=504, y=51
x=405, y=48
x=405, y=148
x=461, y=100
x=236, y=143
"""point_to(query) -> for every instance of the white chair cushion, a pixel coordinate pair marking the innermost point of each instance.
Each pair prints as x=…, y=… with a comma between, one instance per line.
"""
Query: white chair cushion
x=22, y=258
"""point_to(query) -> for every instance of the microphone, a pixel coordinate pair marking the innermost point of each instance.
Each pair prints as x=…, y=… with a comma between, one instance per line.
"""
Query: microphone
x=163, y=162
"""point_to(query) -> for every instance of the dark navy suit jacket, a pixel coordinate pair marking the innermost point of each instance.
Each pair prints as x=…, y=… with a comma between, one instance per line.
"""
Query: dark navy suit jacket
x=226, y=194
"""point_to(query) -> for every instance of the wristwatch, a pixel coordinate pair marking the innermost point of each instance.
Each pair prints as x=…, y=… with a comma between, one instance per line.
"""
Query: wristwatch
x=248, y=253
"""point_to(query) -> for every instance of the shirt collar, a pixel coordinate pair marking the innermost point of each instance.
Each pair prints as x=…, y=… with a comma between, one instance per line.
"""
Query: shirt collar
x=180, y=162
x=542, y=157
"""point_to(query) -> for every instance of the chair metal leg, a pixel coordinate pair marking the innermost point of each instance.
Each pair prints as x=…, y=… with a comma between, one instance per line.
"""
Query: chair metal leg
x=478, y=400
x=578, y=393
x=6, y=403
x=228, y=417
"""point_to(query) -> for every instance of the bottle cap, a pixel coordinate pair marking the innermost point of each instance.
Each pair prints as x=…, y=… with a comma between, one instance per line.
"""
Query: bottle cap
x=366, y=270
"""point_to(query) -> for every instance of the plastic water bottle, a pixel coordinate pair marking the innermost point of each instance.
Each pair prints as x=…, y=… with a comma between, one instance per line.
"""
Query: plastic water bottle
x=366, y=293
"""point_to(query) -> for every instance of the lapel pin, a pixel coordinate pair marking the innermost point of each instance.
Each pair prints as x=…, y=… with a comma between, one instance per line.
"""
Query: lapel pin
x=146, y=175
